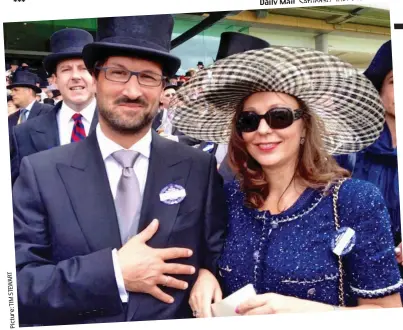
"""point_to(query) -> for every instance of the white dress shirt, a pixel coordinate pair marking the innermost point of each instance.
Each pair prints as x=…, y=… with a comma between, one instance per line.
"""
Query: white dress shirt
x=114, y=171
x=29, y=108
x=65, y=120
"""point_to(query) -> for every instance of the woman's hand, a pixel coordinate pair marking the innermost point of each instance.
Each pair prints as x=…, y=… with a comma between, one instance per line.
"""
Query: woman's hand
x=205, y=291
x=399, y=254
x=273, y=303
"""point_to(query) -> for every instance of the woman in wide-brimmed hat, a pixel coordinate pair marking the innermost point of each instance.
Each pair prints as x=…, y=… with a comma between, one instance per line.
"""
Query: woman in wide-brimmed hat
x=305, y=235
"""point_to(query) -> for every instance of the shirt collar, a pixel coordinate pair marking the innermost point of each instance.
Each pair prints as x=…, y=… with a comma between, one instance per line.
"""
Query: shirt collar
x=108, y=147
x=66, y=113
x=29, y=107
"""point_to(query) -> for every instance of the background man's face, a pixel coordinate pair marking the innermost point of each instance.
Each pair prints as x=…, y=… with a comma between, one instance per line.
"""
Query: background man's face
x=74, y=82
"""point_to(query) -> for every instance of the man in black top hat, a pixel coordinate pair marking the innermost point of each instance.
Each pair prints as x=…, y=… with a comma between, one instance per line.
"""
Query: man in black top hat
x=23, y=91
x=76, y=89
x=87, y=249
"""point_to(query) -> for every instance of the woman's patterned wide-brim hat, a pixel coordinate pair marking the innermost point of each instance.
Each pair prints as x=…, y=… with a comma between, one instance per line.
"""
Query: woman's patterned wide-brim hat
x=343, y=98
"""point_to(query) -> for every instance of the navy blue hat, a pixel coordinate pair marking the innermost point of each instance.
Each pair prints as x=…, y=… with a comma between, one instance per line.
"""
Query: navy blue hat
x=234, y=42
x=381, y=65
x=56, y=93
x=175, y=87
x=43, y=84
x=66, y=44
x=25, y=79
x=148, y=37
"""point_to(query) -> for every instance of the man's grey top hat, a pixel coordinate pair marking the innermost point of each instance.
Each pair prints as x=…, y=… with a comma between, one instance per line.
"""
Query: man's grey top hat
x=25, y=79
x=234, y=42
x=66, y=44
x=147, y=37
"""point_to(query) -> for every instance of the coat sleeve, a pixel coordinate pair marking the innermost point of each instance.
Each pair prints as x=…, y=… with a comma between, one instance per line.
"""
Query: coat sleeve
x=50, y=292
x=216, y=218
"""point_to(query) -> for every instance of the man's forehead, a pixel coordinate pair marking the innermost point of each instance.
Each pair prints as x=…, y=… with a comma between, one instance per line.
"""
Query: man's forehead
x=127, y=61
x=71, y=62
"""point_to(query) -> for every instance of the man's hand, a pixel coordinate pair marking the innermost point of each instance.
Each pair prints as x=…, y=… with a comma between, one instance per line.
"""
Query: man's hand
x=143, y=268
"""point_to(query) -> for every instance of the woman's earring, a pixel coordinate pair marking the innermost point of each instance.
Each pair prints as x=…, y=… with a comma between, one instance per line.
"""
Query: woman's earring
x=302, y=140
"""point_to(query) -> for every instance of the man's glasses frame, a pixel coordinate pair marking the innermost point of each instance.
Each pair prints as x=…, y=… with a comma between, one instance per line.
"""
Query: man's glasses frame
x=140, y=75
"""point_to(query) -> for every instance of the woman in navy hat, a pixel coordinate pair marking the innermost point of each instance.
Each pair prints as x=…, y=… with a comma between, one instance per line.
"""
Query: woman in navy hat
x=378, y=162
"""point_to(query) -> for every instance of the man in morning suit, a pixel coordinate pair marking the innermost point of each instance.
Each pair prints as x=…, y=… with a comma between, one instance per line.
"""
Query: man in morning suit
x=23, y=91
x=87, y=247
x=71, y=119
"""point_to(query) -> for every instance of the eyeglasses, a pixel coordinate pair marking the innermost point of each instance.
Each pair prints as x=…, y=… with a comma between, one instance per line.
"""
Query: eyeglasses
x=276, y=118
x=144, y=78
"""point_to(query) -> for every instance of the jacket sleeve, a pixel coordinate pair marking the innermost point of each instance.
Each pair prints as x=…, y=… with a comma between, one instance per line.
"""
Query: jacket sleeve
x=48, y=291
x=216, y=218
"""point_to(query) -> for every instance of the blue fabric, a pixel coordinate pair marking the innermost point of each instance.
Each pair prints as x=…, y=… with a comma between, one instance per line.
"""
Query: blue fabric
x=291, y=253
x=378, y=164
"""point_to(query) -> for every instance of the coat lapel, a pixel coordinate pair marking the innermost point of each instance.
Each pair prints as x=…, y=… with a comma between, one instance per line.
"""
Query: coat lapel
x=167, y=166
x=45, y=134
x=94, y=121
x=35, y=110
x=87, y=185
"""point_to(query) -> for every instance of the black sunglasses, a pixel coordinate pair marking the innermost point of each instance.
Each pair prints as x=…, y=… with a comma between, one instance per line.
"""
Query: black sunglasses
x=276, y=118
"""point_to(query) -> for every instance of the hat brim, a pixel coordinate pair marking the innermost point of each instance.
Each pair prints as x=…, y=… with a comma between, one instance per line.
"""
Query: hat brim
x=34, y=87
x=175, y=87
x=101, y=50
x=50, y=62
x=343, y=99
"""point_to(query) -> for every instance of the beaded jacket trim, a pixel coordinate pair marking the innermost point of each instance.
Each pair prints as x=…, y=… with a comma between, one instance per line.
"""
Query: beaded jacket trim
x=370, y=293
x=326, y=278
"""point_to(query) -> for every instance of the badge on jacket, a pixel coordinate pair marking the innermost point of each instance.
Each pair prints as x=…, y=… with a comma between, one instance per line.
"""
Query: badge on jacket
x=172, y=194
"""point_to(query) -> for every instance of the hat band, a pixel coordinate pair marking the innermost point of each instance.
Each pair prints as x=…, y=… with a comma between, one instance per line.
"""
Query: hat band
x=133, y=42
x=73, y=49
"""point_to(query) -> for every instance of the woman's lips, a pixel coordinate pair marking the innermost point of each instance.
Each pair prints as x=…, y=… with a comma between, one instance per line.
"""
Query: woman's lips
x=267, y=147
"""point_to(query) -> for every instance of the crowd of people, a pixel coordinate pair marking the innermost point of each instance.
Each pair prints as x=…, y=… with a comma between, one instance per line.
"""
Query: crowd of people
x=142, y=195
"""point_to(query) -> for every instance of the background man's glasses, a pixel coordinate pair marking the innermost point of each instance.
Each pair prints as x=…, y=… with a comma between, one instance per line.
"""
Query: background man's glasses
x=144, y=78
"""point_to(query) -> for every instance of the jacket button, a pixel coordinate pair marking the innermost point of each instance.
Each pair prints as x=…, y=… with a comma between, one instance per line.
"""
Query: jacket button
x=311, y=291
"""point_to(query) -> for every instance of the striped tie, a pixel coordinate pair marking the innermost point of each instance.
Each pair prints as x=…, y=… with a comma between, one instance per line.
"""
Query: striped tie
x=78, y=132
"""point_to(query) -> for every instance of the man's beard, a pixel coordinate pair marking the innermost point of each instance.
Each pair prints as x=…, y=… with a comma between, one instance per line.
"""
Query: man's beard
x=132, y=125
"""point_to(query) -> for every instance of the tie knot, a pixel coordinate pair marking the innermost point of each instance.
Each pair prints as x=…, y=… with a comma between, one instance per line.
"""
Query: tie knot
x=126, y=158
x=77, y=117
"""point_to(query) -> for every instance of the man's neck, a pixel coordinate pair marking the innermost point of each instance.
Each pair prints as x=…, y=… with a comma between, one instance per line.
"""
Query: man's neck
x=25, y=105
x=78, y=107
x=124, y=140
x=391, y=122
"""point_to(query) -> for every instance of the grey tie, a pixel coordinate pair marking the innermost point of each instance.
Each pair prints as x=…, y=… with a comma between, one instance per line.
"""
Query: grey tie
x=23, y=115
x=128, y=198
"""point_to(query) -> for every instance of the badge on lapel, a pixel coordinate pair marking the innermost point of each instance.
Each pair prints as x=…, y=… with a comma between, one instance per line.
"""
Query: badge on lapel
x=172, y=194
x=343, y=241
x=209, y=147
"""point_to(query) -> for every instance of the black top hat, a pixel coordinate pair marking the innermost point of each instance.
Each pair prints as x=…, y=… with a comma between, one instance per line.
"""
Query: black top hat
x=175, y=87
x=200, y=63
x=66, y=44
x=49, y=101
x=381, y=65
x=234, y=42
x=25, y=79
x=43, y=84
x=147, y=37
x=56, y=93
x=14, y=62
